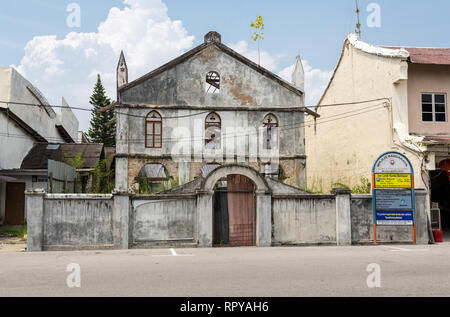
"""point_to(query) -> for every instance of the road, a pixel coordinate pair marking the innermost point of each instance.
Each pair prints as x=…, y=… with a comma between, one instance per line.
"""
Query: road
x=230, y=272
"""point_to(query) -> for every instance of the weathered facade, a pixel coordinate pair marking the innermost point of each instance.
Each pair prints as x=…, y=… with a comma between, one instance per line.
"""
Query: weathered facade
x=209, y=106
x=186, y=217
x=381, y=99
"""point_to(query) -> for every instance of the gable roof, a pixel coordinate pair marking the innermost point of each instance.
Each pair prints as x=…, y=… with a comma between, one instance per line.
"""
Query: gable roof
x=430, y=56
x=38, y=156
x=353, y=40
x=22, y=124
x=213, y=39
x=91, y=153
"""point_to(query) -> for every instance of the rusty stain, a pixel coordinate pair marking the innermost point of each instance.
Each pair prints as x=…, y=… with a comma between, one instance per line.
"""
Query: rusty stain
x=207, y=55
x=238, y=90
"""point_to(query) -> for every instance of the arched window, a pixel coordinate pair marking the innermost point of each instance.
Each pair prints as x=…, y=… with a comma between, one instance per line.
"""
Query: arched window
x=212, y=83
x=213, y=131
x=153, y=130
x=153, y=178
x=270, y=124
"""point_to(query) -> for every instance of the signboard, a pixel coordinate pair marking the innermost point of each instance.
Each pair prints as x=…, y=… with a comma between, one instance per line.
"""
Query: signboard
x=395, y=218
x=393, y=192
x=393, y=163
x=393, y=181
x=393, y=200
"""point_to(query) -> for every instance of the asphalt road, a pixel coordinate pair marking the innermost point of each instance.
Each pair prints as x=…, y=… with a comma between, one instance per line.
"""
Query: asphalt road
x=305, y=271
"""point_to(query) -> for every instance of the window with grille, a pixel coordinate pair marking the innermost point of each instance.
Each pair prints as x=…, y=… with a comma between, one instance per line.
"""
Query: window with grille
x=212, y=83
x=434, y=107
x=270, y=124
x=213, y=131
x=153, y=130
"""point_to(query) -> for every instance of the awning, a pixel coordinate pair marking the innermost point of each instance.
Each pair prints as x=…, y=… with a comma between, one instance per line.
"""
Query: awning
x=437, y=140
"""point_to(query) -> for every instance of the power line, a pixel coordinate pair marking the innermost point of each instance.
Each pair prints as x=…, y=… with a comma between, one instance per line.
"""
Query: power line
x=177, y=117
x=92, y=110
x=287, y=127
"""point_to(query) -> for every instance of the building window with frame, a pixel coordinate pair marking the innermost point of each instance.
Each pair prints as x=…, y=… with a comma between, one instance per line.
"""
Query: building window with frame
x=153, y=131
x=213, y=131
x=270, y=124
x=434, y=107
x=212, y=83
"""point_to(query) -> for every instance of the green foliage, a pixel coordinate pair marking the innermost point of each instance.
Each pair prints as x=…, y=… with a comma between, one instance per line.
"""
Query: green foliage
x=363, y=188
x=259, y=26
x=14, y=231
x=104, y=178
x=147, y=187
x=340, y=185
x=102, y=131
x=76, y=162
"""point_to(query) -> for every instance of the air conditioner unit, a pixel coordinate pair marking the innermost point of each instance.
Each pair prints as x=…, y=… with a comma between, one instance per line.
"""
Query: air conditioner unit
x=436, y=217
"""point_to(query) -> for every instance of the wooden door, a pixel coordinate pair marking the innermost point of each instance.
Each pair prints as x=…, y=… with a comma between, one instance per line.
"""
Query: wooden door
x=241, y=210
x=15, y=204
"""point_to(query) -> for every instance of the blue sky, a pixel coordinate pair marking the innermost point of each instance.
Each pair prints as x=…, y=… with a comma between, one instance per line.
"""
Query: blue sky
x=315, y=29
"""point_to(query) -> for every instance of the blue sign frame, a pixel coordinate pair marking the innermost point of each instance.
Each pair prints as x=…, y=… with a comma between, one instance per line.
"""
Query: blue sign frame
x=374, y=191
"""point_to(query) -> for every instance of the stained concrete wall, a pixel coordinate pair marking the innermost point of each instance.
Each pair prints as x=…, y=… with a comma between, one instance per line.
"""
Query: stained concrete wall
x=166, y=220
x=123, y=221
x=69, y=221
x=304, y=219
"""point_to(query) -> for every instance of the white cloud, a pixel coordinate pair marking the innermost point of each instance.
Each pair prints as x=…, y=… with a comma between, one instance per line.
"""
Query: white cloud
x=68, y=67
x=316, y=81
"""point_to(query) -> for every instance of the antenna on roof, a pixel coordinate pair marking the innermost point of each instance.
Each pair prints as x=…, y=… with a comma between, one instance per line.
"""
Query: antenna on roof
x=358, y=25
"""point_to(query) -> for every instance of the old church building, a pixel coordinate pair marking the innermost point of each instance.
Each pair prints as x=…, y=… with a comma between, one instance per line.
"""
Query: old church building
x=207, y=108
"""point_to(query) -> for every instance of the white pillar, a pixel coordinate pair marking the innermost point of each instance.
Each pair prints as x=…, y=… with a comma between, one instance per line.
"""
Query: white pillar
x=205, y=219
x=343, y=216
x=34, y=207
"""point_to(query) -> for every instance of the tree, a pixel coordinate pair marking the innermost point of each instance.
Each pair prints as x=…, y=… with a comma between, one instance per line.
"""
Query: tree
x=103, y=127
x=259, y=34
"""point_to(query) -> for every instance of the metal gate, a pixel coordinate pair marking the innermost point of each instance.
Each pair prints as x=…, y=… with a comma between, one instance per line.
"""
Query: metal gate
x=234, y=213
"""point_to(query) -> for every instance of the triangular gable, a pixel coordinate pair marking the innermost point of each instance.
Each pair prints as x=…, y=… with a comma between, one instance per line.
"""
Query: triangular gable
x=216, y=42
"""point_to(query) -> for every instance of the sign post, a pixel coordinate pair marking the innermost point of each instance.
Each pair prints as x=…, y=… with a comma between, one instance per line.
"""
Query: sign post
x=393, y=196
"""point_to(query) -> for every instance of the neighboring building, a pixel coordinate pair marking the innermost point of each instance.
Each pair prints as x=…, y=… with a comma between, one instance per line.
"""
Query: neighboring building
x=381, y=99
x=34, y=173
x=22, y=125
x=202, y=94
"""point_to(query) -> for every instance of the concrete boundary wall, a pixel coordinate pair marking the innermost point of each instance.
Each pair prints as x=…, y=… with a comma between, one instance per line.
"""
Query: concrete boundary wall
x=123, y=220
x=167, y=219
x=304, y=220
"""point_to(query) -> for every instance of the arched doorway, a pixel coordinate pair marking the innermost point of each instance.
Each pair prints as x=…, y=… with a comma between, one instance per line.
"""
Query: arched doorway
x=262, y=198
x=234, y=212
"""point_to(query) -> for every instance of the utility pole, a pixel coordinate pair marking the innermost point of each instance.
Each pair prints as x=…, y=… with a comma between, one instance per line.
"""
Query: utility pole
x=358, y=25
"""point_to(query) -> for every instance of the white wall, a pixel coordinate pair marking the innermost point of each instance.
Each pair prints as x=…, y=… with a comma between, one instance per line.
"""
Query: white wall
x=14, y=144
